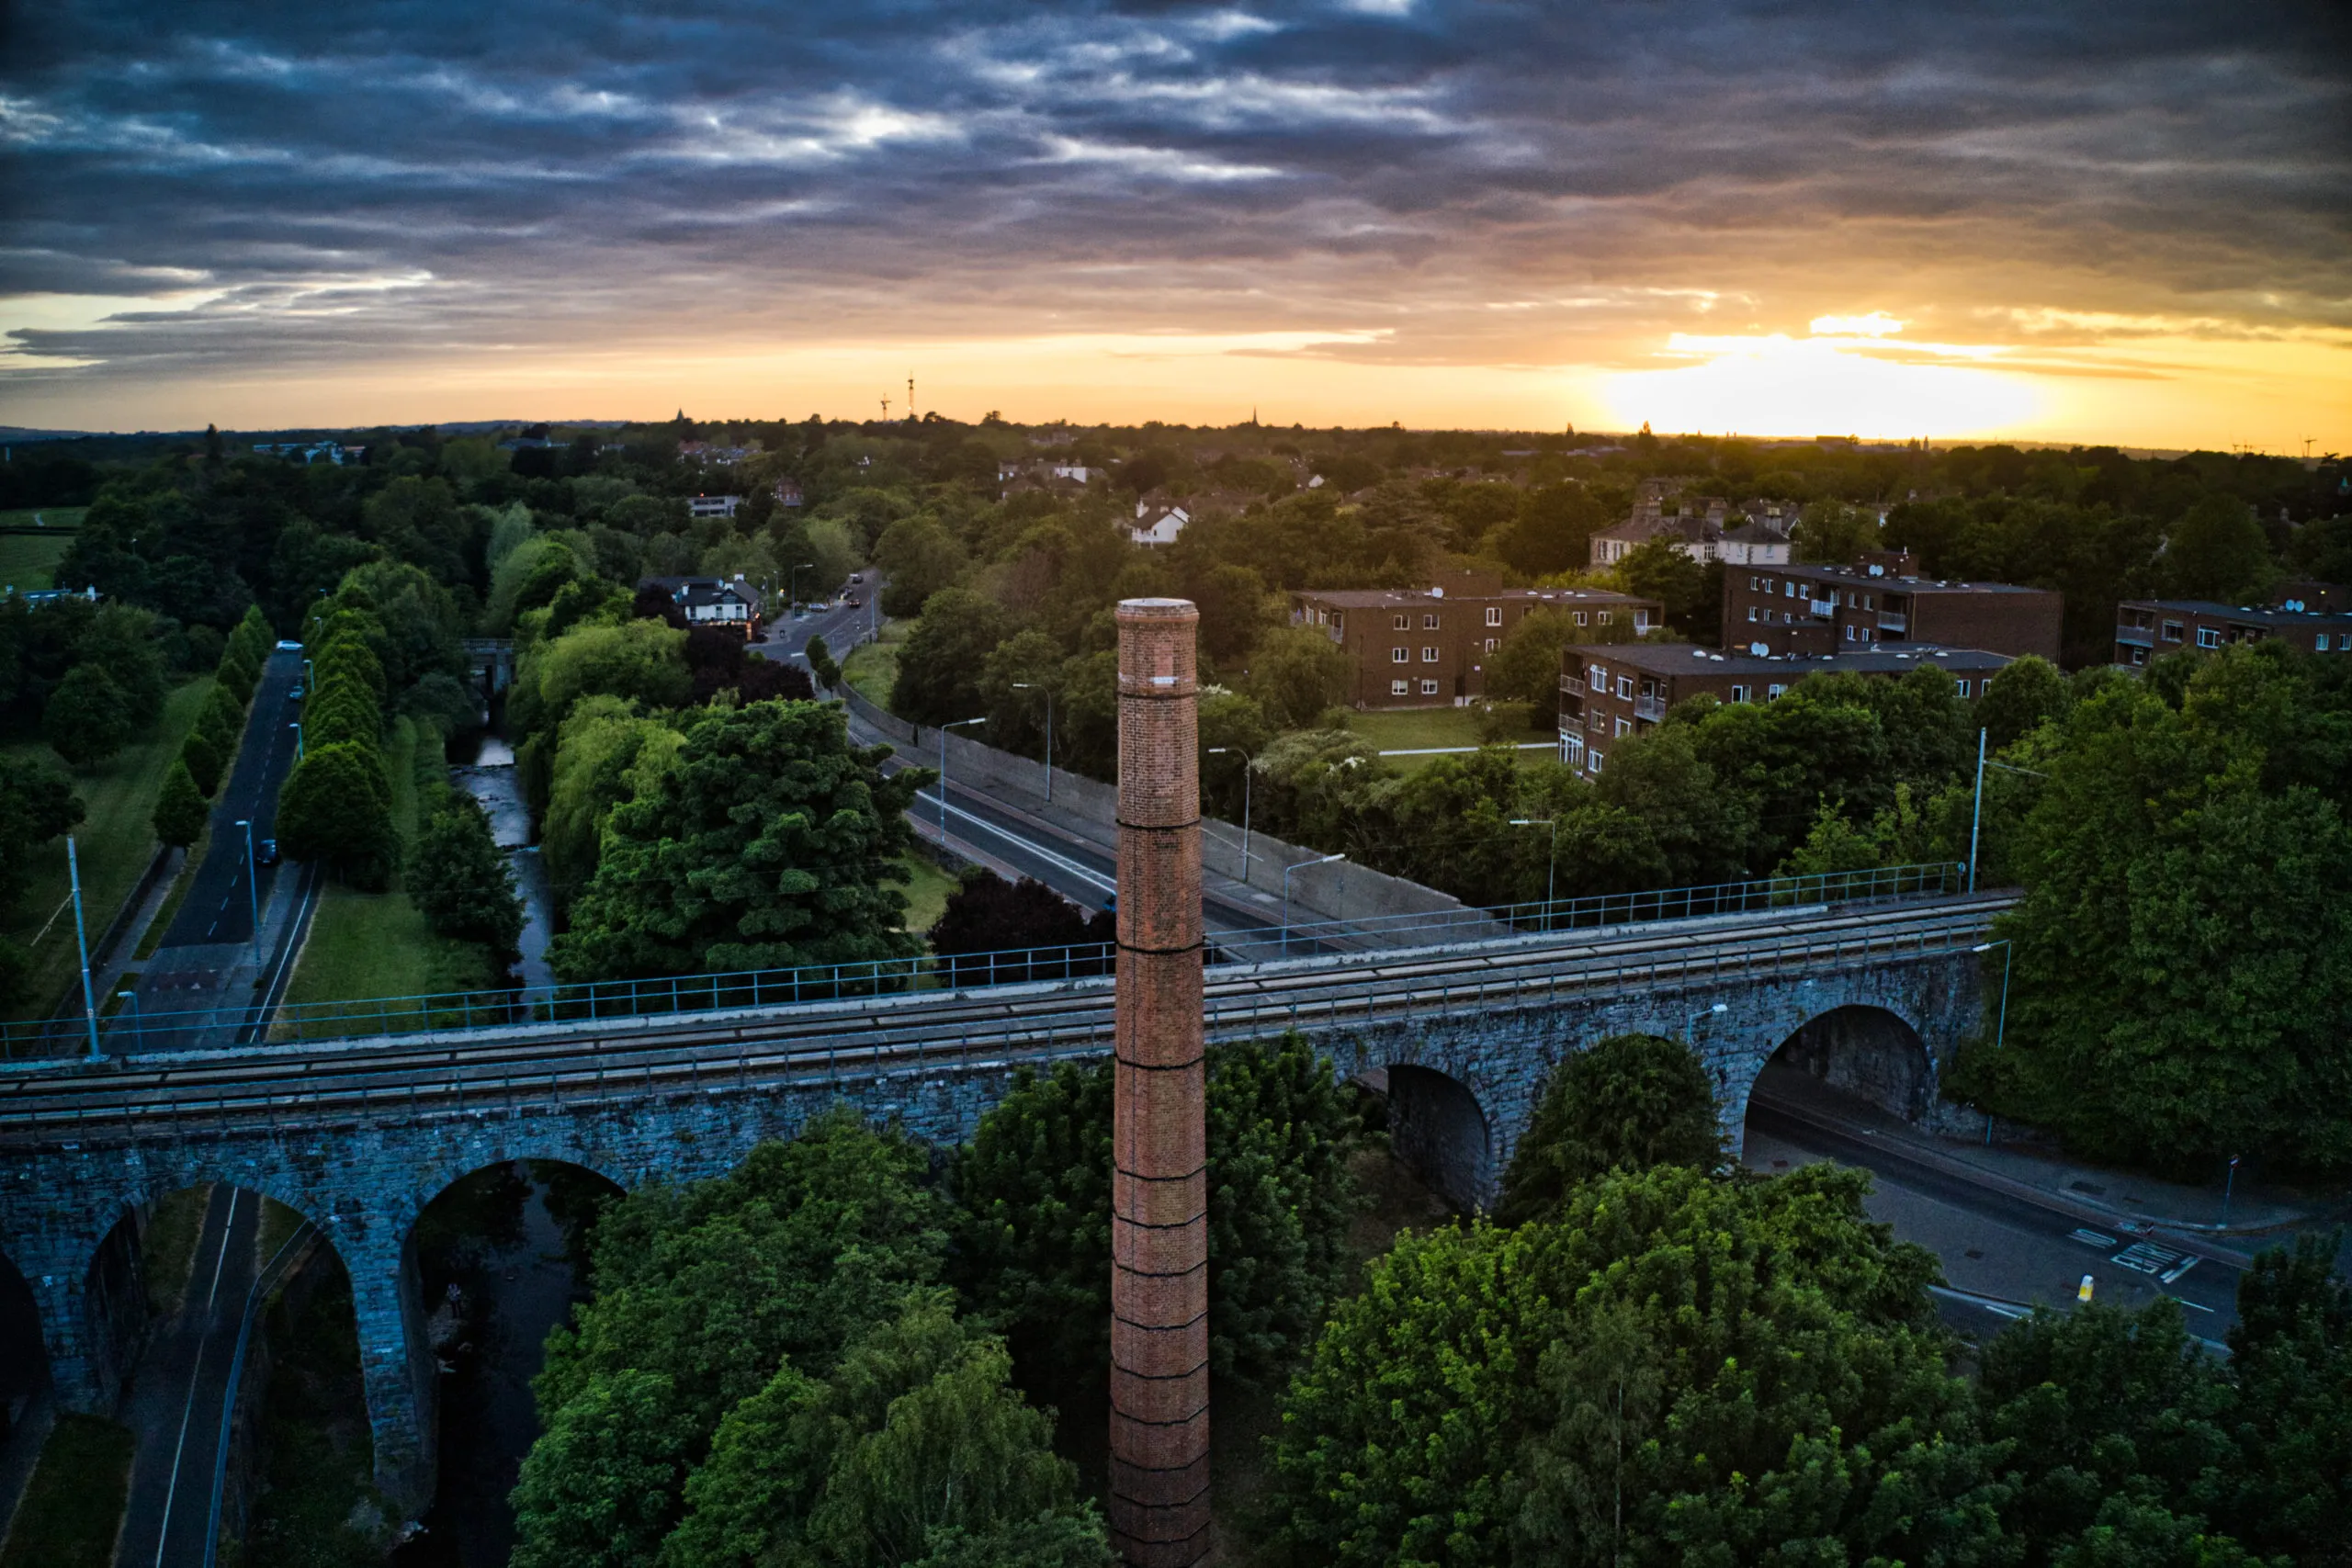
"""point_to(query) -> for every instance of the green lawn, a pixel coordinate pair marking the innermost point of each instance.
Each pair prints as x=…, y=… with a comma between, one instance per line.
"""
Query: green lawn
x=168, y=1249
x=872, y=669
x=926, y=890
x=65, y=517
x=1413, y=729
x=115, y=841
x=72, y=1507
x=28, y=561
x=377, y=944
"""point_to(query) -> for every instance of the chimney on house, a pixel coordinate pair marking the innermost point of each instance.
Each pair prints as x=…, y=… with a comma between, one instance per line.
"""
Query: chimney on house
x=1159, y=1242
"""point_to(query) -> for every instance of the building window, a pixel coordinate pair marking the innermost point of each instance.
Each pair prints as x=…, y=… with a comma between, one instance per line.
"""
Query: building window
x=1739, y=694
x=1624, y=727
x=1428, y=688
x=2322, y=646
x=2172, y=631
x=1598, y=676
x=1492, y=643
x=2208, y=637
x=1429, y=622
x=1493, y=615
x=1400, y=688
x=1751, y=582
x=1398, y=623
x=1850, y=632
x=1773, y=692
x=1605, y=617
x=1428, y=653
x=1400, y=656
x=1752, y=615
x=2139, y=656
x=1592, y=761
x=1963, y=685
x=1626, y=687
x=1580, y=621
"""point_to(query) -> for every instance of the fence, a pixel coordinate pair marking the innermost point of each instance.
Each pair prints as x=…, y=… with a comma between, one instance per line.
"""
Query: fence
x=384, y=1016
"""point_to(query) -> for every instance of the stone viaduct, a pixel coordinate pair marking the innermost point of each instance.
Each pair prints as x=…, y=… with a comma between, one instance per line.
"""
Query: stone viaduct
x=1462, y=1081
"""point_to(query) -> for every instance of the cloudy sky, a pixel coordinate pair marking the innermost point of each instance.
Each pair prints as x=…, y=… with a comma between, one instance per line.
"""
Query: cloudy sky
x=2120, y=221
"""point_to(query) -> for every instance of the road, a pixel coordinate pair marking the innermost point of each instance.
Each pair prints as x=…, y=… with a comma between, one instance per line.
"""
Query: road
x=787, y=638
x=2000, y=1250
x=206, y=958
x=178, y=1391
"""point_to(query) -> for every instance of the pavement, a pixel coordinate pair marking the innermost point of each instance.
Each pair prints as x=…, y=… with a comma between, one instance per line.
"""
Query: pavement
x=209, y=959
x=174, y=1401
x=2016, y=1228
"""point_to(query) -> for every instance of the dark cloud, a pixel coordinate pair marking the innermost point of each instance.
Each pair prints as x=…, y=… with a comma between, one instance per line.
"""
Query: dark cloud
x=269, y=185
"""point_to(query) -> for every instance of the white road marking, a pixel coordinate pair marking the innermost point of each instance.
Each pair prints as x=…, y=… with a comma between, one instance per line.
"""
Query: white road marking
x=228, y=1227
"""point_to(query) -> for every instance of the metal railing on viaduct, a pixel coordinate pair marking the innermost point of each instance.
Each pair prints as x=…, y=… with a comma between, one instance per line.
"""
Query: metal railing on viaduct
x=358, y=1134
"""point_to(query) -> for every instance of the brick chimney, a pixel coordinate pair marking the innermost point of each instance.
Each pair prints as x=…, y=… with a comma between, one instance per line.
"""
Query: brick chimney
x=1159, y=1234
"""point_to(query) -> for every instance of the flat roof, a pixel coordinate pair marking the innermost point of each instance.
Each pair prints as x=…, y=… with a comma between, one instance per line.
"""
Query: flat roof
x=1683, y=658
x=1377, y=598
x=2267, y=615
x=1907, y=584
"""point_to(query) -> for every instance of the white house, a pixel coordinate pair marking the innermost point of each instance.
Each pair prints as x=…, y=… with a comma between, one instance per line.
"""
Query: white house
x=713, y=506
x=1157, y=525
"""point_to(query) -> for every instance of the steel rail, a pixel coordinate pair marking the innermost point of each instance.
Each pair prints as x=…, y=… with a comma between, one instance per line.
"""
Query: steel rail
x=475, y=1085
x=953, y=1012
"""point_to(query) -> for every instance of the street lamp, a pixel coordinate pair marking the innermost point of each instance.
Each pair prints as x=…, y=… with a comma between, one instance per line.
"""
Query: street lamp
x=297, y=728
x=82, y=945
x=943, y=771
x=2001, y=1029
x=1692, y=1026
x=1032, y=686
x=1248, y=767
x=138, y=1029
x=792, y=581
x=1320, y=860
x=1551, y=877
x=253, y=891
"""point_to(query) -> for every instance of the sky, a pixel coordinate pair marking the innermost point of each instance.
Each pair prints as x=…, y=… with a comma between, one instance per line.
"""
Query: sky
x=2124, y=222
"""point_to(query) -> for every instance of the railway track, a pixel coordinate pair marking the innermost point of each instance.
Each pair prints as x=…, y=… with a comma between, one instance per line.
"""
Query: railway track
x=573, y=1063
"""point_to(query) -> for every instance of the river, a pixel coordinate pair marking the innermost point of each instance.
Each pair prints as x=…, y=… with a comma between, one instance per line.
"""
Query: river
x=499, y=1265
x=493, y=779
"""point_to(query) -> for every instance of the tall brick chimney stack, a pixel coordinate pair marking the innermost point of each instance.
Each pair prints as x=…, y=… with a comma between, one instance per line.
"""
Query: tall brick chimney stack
x=1160, y=1232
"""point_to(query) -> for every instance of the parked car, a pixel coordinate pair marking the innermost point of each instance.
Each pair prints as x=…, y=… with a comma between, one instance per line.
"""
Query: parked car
x=857, y=577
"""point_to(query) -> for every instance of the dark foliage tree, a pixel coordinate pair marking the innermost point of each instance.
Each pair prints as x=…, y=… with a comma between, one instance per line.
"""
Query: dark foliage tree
x=37, y=804
x=179, y=808
x=828, y=674
x=940, y=666
x=462, y=881
x=718, y=661
x=770, y=841
x=1627, y=1102
x=88, y=717
x=336, y=808
x=2020, y=700
x=986, y=914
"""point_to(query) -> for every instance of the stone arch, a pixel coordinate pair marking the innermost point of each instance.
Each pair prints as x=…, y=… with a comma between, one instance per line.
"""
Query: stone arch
x=1442, y=1134
x=1863, y=1052
x=24, y=1354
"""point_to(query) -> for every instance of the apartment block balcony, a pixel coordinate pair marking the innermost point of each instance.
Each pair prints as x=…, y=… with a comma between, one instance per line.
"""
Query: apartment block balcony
x=1823, y=609
x=1651, y=708
x=1888, y=621
x=1572, y=686
x=2137, y=637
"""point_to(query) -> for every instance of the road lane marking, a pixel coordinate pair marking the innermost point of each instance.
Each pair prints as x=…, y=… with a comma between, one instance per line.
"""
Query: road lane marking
x=2146, y=1257
x=164, y=1529
x=2184, y=1268
x=2091, y=1238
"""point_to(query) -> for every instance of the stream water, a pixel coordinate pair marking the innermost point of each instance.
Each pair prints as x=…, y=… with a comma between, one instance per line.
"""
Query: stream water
x=492, y=778
x=499, y=1265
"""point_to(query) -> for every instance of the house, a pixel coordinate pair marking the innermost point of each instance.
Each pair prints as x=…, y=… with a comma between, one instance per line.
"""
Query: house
x=1815, y=611
x=787, y=492
x=1609, y=693
x=1430, y=648
x=311, y=452
x=1157, y=523
x=2145, y=627
x=725, y=604
x=1694, y=528
x=713, y=506
x=1072, y=470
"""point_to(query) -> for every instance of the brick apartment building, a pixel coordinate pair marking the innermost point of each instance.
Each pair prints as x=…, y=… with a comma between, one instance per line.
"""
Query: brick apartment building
x=2146, y=627
x=1815, y=611
x=1428, y=649
x=1611, y=694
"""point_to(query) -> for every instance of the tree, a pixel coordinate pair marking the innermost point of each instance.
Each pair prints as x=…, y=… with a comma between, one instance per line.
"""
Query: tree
x=768, y=843
x=1627, y=1102
x=2291, y=1361
x=1690, y=592
x=1678, y=1369
x=1033, y=1188
x=605, y=753
x=2217, y=550
x=1833, y=533
x=598, y=1488
x=919, y=559
x=1297, y=673
x=987, y=914
x=2020, y=700
x=202, y=761
x=179, y=808
x=820, y=663
x=940, y=666
x=460, y=880
x=37, y=804
x=336, y=808
x=88, y=717
x=641, y=661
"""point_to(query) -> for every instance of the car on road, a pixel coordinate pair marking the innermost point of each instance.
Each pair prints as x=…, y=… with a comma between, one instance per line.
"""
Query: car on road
x=857, y=577
x=854, y=603
x=294, y=695
x=265, y=853
x=285, y=645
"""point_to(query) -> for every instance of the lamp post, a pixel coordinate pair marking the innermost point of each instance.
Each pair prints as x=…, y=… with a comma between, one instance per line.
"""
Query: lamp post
x=2001, y=1028
x=942, y=769
x=1551, y=877
x=137, y=1028
x=297, y=728
x=1032, y=686
x=1319, y=860
x=1691, y=1027
x=1977, y=814
x=1248, y=767
x=792, y=581
x=2229, y=1186
x=82, y=945
x=253, y=889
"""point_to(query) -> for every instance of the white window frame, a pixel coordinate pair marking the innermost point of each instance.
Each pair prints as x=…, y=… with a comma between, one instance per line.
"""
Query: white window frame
x=1592, y=759
x=1624, y=727
x=1625, y=688
x=1773, y=693
x=1400, y=656
x=1963, y=685
x=1429, y=651
x=1400, y=688
x=1428, y=621
x=1399, y=623
x=1739, y=694
x=2208, y=637
x=1493, y=615
x=1428, y=688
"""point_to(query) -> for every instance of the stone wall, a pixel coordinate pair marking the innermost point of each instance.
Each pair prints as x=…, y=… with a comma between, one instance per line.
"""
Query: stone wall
x=365, y=1184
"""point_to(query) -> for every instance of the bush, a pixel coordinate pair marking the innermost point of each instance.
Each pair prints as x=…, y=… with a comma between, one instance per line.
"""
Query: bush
x=1627, y=1103
x=88, y=717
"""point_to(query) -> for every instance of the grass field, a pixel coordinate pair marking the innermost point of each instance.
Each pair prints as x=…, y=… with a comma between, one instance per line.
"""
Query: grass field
x=72, y=1508
x=874, y=668
x=29, y=562
x=926, y=890
x=1413, y=729
x=377, y=944
x=114, y=842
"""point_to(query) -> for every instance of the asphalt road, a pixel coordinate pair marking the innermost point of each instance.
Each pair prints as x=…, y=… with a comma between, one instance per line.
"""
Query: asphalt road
x=178, y=1391
x=841, y=627
x=2001, y=1252
x=219, y=907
